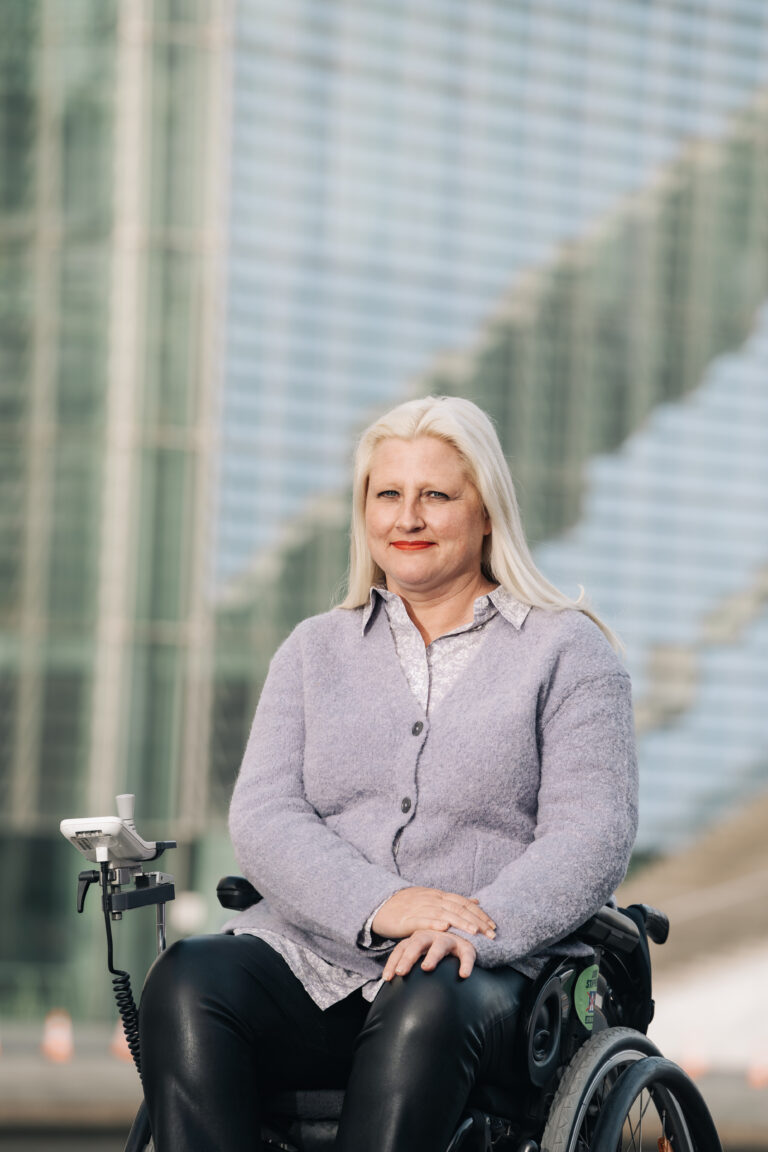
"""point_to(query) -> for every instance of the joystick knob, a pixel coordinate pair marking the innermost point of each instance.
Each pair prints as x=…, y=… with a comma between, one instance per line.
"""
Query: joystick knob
x=126, y=806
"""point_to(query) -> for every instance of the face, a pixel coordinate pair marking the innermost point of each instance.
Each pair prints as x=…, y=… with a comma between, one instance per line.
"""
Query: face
x=424, y=518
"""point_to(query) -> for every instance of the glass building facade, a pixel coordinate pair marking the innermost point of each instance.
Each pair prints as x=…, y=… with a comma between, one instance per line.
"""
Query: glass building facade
x=231, y=231
x=557, y=209
x=111, y=223
x=586, y=358
x=682, y=509
x=398, y=166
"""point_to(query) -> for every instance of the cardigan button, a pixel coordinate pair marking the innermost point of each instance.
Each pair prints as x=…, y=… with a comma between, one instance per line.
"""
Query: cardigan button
x=405, y=804
x=418, y=728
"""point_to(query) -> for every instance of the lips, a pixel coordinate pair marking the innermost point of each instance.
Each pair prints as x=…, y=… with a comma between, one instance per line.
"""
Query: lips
x=412, y=545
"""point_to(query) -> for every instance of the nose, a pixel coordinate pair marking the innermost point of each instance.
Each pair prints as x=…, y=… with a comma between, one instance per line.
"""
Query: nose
x=410, y=518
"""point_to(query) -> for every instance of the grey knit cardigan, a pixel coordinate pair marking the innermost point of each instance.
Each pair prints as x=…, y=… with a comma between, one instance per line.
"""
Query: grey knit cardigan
x=519, y=789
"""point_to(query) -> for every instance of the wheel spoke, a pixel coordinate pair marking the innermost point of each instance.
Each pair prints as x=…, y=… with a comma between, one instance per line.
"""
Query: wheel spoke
x=636, y=1129
x=619, y=1088
x=664, y=1142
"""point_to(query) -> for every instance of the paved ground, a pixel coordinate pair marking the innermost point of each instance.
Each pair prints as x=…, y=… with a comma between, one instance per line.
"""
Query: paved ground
x=711, y=977
x=94, y=1089
x=96, y=1093
x=713, y=1014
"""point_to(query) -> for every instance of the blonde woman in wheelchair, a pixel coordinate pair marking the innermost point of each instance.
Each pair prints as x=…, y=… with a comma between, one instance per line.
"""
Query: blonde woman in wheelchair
x=439, y=787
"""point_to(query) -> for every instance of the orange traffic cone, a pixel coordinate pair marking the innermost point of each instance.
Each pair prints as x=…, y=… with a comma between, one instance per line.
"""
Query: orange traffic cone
x=58, y=1041
x=119, y=1046
x=757, y=1076
x=694, y=1065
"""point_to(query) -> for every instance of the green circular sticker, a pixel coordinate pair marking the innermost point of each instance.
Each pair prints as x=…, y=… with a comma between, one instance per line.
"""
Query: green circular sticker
x=584, y=995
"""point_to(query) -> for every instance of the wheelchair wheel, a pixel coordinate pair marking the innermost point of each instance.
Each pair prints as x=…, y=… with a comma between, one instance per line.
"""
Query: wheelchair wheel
x=586, y=1085
x=654, y=1102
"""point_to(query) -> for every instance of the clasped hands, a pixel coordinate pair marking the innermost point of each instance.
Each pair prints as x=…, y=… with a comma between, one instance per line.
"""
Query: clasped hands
x=420, y=920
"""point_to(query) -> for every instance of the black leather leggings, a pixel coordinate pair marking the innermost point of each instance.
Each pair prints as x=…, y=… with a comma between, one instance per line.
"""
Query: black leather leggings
x=223, y=1019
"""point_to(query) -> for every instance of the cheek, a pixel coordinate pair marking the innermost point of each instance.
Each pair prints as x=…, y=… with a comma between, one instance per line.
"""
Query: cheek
x=375, y=530
x=476, y=534
x=372, y=524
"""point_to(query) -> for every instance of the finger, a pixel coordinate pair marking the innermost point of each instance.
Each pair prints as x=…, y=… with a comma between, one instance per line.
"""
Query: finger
x=466, y=924
x=466, y=960
x=437, y=950
x=440, y=920
x=448, y=945
x=455, y=920
x=470, y=919
x=434, y=904
x=405, y=954
x=429, y=908
x=468, y=906
x=464, y=951
x=444, y=921
x=412, y=950
x=435, y=925
x=393, y=960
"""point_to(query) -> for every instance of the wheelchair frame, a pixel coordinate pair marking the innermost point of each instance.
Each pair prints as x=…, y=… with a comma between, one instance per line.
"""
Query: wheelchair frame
x=594, y=1077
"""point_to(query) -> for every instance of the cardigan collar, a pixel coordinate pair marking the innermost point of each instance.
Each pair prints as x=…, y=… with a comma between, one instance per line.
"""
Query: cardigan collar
x=503, y=601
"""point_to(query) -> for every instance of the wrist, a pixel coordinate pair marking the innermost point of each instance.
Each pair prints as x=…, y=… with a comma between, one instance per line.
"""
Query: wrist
x=369, y=938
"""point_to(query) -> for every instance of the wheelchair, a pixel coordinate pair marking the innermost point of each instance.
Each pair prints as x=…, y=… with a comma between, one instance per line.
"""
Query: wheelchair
x=589, y=1079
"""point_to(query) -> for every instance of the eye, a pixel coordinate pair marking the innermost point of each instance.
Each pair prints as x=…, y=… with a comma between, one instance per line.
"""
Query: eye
x=435, y=495
x=388, y=494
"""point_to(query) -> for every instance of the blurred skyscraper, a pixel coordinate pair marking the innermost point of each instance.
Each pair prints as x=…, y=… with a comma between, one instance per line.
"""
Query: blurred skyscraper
x=233, y=230
x=396, y=167
x=111, y=220
x=559, y=209
x=640, y=456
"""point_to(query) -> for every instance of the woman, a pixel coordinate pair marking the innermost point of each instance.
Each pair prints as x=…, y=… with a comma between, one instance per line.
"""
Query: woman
x=438, y=788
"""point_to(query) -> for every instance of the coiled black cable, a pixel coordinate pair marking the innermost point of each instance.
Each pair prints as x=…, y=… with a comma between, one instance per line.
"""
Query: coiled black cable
x=121, y=982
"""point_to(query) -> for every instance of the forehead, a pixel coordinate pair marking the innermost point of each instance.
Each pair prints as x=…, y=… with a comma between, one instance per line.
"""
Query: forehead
x=425, y=455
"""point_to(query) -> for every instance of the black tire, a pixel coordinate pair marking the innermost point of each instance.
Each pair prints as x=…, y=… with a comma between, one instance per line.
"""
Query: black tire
x=585, y=1086
x=659, y=1096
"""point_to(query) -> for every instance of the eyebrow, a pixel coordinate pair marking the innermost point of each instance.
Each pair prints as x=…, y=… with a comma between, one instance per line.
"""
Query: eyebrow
x=425, y=486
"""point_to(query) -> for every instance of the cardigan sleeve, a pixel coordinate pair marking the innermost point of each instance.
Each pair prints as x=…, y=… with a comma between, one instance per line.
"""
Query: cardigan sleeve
x=307, y=873
x=586, y=822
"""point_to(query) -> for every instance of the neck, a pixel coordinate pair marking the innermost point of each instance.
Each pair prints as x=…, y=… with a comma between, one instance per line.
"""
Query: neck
x=436, y=612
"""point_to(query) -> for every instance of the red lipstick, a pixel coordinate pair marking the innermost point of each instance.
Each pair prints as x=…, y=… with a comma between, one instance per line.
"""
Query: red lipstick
x=412, y=545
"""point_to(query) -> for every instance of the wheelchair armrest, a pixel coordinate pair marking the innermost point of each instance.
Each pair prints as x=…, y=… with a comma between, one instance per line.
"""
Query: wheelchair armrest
x=610, y=927
x=236, y=893
x=656, y=922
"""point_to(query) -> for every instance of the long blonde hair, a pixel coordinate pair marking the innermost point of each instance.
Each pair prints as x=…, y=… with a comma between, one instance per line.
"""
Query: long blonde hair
x=506, y=557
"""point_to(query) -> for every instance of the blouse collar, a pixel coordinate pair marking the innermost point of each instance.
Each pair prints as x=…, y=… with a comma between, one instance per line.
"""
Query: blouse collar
x=497, y=600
